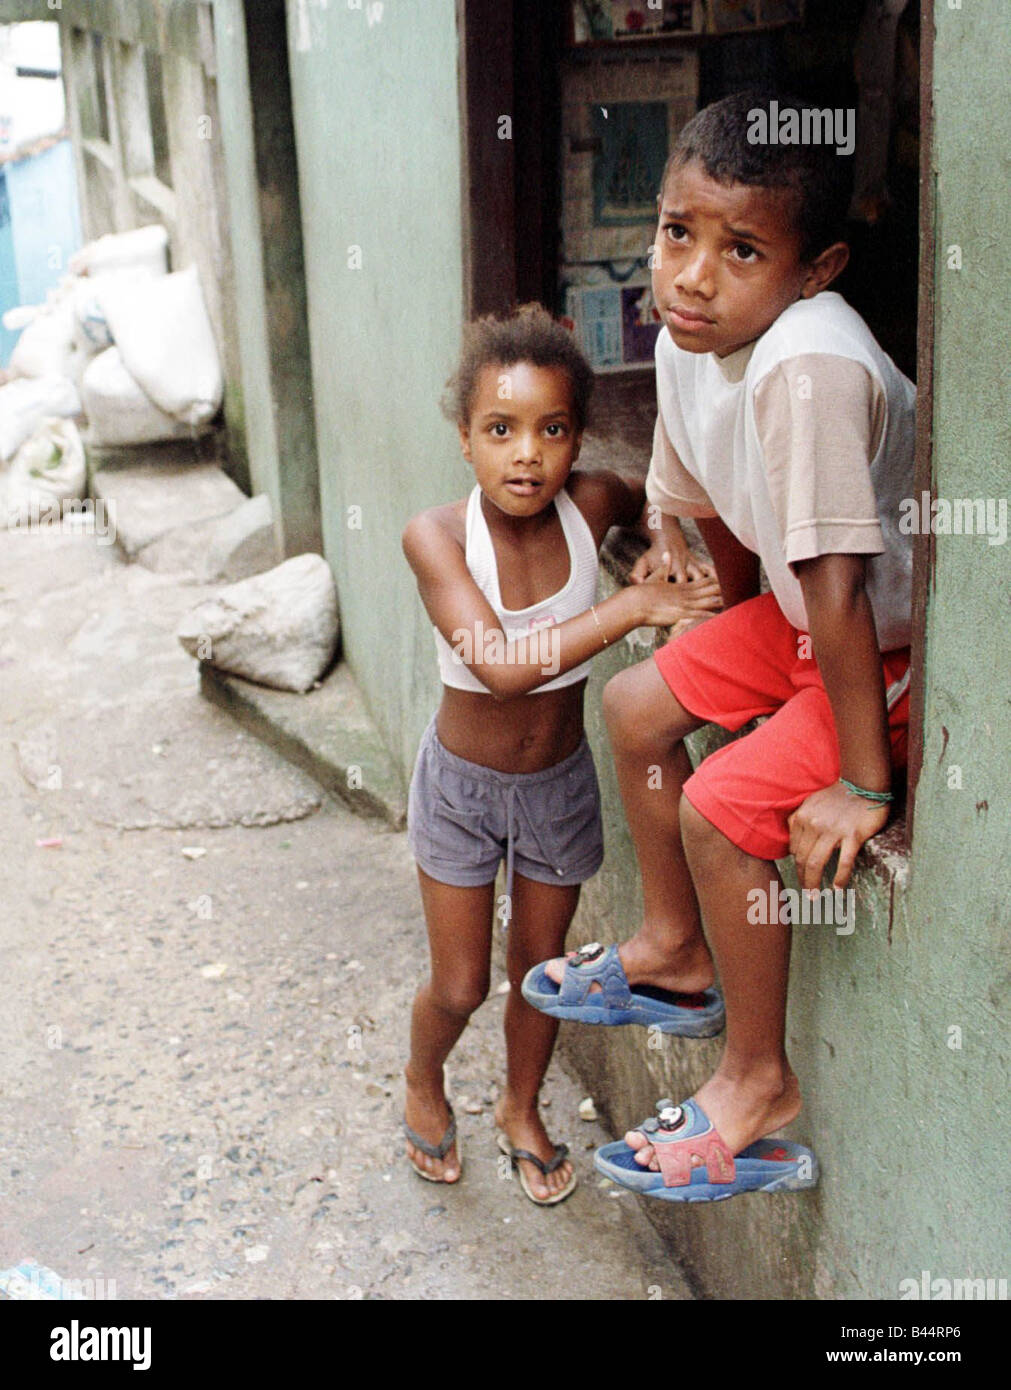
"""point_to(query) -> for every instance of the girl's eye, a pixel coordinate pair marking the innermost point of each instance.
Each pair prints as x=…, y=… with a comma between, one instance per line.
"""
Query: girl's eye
x=500, y=429
x=556, y=431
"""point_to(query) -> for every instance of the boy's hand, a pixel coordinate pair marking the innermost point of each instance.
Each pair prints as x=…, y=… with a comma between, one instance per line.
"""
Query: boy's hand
x=684, y=566
x=664, y=603
x=832, y=819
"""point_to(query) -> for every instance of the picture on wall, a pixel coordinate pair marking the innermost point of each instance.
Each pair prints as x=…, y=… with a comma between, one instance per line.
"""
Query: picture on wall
x=619, y=120
x=616, y=325
x=630, y=148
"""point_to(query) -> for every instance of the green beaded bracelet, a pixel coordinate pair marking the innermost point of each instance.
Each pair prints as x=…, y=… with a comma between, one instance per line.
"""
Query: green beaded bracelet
x=854, y=790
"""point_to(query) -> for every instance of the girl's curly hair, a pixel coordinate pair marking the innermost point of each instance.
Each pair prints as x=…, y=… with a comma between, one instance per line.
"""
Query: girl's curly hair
x=528, y=334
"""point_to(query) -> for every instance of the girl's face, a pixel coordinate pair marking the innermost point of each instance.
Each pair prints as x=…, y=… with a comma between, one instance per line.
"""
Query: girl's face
x=521, y=438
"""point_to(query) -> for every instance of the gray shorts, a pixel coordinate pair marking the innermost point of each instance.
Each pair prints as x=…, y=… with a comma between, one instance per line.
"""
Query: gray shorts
x=462, y=818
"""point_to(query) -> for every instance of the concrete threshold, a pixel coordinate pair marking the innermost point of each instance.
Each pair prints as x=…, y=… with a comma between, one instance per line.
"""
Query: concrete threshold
x=327, y=732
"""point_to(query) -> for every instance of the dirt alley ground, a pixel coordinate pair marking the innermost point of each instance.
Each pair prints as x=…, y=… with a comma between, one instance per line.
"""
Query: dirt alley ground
x=207, y=986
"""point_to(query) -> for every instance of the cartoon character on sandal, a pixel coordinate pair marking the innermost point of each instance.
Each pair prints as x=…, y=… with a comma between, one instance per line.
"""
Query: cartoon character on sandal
x=694, y=1164
x=614, y=1002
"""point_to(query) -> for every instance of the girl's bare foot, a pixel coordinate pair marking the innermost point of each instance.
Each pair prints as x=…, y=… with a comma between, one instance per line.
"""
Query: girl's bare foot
x=427, y=1112
x=524, y=1130
x=687, y=969
x=742, y=1110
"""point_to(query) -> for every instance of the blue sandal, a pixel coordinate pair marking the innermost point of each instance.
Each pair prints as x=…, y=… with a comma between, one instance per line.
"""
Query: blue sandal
x=617, y=1003
x=684, y=1131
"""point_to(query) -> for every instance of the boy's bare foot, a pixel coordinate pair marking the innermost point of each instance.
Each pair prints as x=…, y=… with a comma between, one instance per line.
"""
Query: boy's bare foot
x=524, y=1130
x=686, y=969
x=427, y=1112
x=742, y=1110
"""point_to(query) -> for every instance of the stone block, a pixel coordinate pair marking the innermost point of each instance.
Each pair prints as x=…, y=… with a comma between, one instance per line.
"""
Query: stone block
x=279, y=628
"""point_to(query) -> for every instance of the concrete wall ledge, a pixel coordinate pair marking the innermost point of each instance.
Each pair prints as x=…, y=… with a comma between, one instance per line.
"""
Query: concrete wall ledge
x=327, y=732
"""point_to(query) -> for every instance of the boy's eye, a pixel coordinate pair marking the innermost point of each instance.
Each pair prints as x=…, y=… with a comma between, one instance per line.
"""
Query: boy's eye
x=676, y=231
x=745, y=252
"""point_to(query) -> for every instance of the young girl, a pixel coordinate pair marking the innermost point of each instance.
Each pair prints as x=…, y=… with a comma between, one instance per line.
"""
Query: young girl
x=508, y=576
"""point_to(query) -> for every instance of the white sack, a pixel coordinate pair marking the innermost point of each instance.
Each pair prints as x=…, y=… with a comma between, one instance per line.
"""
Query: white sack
x=162, y=329
x=118, y=408
x=26, y=401
x=44, y=347
x=14, y=320
x=91, y=328
x=48, y=468
x=144, y=246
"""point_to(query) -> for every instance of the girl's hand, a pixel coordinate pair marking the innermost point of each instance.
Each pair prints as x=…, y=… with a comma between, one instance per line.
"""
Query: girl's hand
x=827, y=820
x=664, y=603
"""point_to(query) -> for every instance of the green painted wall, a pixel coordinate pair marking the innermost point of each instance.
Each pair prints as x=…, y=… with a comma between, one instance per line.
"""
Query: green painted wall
x=377, y=132
x=250, y=395
x=961, y=881
x=271, y=385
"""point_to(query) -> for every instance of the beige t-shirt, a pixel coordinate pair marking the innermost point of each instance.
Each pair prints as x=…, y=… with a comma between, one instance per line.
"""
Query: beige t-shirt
x=802, y=442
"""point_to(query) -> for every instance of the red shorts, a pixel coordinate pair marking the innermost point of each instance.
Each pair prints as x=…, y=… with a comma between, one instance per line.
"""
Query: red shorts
x=746, y=662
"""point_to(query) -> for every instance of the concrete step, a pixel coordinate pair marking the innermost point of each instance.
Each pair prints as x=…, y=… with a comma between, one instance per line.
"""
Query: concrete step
x=205, y=448
x=148, y=499
x=327, y=732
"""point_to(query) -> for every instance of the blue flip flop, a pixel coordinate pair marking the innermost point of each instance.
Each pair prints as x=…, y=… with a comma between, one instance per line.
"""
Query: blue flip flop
x=683, y=1131
x=617, y=1003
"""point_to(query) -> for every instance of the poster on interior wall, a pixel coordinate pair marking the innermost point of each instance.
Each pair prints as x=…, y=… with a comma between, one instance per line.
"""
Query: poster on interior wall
x=619, y=120
x=630, y=150
x=596, y=20
x=640, y=324
x=616, y=325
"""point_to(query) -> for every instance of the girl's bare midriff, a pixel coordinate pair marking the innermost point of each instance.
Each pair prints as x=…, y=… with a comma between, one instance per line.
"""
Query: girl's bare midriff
x=524, y=734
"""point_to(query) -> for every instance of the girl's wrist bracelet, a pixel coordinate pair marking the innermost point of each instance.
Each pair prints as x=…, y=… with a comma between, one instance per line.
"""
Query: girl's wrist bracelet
x=854, y=790
x=600, y=629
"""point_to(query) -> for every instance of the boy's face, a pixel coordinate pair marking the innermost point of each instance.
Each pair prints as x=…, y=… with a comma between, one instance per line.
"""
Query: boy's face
x=521, y=438
x=727, y=260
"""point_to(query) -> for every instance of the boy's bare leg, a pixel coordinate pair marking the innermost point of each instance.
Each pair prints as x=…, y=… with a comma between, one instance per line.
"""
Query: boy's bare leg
x=647, y=726
x=459, y=934
x=541, y=914
x=753, y=1091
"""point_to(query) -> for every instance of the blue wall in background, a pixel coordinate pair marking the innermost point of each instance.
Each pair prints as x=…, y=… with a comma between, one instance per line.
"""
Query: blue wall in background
x=43, y=229
x=8, y=270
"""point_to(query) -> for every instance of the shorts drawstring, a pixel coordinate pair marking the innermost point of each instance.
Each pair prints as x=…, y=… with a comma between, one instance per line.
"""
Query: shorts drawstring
x=513, y=794
x=510, y=841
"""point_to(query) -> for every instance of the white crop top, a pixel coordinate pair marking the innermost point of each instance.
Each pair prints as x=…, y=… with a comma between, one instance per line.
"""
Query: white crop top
x=574, y=597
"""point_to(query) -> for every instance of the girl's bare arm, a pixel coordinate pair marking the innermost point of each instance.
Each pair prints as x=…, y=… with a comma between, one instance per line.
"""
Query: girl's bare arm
x=457, y=606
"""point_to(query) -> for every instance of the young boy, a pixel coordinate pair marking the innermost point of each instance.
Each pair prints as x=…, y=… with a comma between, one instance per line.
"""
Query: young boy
x=786, y=430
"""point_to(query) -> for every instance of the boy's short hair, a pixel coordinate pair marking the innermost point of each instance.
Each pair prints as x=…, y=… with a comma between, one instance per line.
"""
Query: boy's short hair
x=717, y=138
x=528, y=334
